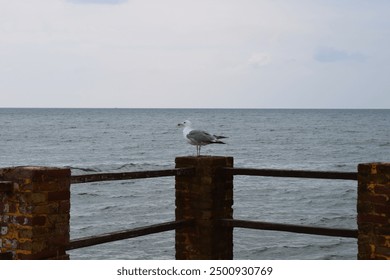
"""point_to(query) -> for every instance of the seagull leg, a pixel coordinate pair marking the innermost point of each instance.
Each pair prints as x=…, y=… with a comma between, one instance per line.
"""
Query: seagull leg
x=197, y=150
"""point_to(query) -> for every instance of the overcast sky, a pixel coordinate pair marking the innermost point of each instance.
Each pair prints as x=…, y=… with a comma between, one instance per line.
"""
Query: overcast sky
x=195, y=53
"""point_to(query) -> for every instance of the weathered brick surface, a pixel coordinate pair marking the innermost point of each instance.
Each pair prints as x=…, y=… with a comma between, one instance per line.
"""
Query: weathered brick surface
x=34, y=218
x=206, y=197
x=374, y=211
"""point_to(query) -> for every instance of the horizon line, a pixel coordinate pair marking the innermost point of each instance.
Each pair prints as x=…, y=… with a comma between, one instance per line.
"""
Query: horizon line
x=203, y=108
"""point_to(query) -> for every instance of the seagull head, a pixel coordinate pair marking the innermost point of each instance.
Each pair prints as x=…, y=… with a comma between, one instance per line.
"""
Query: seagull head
x=185, y=124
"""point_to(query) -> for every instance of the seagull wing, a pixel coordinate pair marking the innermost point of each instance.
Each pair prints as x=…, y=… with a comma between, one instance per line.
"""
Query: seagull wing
x=200, y=137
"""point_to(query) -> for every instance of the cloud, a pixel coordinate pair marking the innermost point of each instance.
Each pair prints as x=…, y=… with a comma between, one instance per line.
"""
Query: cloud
x=328, y=55
x=259, y=59
x=104, y=2
x=193, y=53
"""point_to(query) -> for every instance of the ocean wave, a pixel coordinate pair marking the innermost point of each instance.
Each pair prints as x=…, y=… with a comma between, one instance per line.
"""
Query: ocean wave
x=280, y=139
x=330, y=245
x=83, y=169
x=386, y=144
x=87, y=194
x=114, y=167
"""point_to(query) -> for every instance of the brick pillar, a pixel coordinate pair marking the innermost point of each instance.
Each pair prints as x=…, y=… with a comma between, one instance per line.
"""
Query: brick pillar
x=34, y=214
x=374, y=211
x=204, y=197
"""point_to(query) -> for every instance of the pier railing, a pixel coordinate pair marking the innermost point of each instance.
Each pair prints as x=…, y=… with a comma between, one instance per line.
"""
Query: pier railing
x=135, y=232
x=35, y=209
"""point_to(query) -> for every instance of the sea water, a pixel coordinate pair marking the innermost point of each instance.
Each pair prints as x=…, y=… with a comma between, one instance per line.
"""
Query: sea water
x=121, y=140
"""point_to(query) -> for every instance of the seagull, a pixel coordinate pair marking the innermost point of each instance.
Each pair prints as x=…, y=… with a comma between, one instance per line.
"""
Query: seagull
x=199, y=138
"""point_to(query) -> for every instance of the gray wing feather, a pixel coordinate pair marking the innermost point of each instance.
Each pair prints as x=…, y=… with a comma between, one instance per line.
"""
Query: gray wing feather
x=201, y=136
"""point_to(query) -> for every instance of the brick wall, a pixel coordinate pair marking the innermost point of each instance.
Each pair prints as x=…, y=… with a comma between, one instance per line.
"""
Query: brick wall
x=205, y=198
x=35, y=211
x=34, y=214
x=374, y=211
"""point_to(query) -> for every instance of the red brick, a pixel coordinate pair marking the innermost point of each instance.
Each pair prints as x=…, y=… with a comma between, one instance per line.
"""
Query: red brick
x=61, y=185
x=60, y=195
x=365, y=207
x=36, y=198
x=375, y=219
x=384, y=241
x=64, y=206
x=382, y=209
x=6, y=186
x=3, y=207
x=384, y=230
x=381, y=199
x=25, y=208
x=50, y=208
x=384, y=251
x=382, y=189
x=21, y=220
x=39, y=220
x=26, y=245
x=29, y=221
x=45, y=254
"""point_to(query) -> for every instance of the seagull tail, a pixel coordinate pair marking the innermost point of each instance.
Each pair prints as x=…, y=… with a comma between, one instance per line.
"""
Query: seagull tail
x=218, y=142
x=220, y=137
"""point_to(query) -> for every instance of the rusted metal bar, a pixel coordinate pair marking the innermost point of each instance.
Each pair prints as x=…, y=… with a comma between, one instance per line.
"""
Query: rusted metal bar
x=293, y=173
x=6, y=186
x=126, y=234
x=348, y=233
x=88, y=178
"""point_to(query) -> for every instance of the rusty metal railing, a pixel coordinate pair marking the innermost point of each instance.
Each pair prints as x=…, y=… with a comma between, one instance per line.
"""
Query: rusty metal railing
x=125, y=234
x=328, y=175
x=232, y=223
x=129, y=233
x=293, y=173
x=348, y=233
x=98, y=177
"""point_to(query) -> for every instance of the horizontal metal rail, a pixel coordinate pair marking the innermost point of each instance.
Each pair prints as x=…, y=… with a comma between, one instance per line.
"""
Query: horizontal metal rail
x=88, y=178
x=292, y=173
x=125, y=234
x=348, y=233
x=131, y=233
